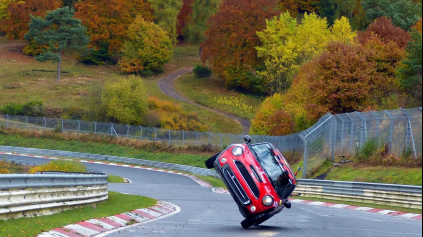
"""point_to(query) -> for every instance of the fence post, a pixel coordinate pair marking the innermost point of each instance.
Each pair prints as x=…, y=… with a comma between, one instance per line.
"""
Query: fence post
x=221, y=145
x=127, y=131
x=7, y=121
x=363, y=133
x=169, y=138
x=141, y=132
x=352, y=131
x=409, y=134
x=391, y=130
x=183, y=137
x=79, y=125
x=196, y=137
x=45, y=123
x=305, y=157
x=155, y=134
x=63, y=129
x=95, y=127
x=342, y=131
x=26, y=125
x=377, y=124
x=333, y=136
x=209, y=138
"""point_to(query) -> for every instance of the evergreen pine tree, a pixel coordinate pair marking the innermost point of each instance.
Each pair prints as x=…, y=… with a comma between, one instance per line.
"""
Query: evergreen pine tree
x=411, y=73
x=61, y=32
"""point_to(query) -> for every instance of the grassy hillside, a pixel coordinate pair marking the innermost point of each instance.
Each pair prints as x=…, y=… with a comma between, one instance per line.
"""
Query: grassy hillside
x=23, y=79
x=205, y=91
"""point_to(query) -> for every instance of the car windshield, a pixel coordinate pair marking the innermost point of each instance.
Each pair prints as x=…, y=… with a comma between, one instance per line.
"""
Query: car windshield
x=270, y=164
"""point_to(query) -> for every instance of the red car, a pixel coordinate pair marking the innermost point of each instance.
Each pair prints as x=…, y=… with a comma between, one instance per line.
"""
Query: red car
x=258, y=177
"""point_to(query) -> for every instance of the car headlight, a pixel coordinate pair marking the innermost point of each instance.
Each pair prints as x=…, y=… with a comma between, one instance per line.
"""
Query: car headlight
x=268, y=201
x=237, y=151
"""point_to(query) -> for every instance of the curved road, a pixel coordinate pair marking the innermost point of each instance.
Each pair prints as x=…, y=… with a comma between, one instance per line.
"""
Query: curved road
x=207, y=214
x=166, y=85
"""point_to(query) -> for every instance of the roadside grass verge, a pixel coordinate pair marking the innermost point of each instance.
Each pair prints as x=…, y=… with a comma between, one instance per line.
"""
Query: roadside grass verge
x=383, y=207
x=102, y=149
x=115, y=179
x=215, y=182
x=203, y=90
x=116, y=204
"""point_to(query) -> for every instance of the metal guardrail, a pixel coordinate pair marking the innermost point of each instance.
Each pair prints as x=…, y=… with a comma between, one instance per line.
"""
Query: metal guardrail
x=43, y=194
x=383, y=194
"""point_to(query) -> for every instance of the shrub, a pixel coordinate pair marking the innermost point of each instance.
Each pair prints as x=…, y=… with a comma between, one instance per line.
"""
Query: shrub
x=33, y=109
x=33, y=49
x=60, y=165
x=369, y=149
x=202, y=72
x=4, y=171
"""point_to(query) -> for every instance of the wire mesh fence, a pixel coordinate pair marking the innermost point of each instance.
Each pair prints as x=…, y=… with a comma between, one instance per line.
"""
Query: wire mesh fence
x=400, y=131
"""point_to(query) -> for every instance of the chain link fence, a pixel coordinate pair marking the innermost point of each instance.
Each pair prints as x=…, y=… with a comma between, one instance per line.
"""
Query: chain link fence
x=399, y=131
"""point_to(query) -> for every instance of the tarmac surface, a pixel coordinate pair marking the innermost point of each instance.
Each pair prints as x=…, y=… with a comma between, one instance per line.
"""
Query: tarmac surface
x=208, y=214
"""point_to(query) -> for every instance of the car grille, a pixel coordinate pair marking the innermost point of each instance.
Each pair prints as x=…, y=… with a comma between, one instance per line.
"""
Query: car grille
x=236, y=186
x=248, y=179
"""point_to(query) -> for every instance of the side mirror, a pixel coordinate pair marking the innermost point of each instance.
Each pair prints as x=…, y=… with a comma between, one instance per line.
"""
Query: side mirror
x=247, y=139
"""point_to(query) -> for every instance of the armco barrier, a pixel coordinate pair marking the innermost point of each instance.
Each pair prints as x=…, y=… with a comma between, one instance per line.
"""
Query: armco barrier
x=382, y=194
x=44, y=194
x=385, y=194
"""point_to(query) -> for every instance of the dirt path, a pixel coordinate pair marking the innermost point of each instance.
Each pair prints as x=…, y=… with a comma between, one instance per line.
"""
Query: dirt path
x=166, y=85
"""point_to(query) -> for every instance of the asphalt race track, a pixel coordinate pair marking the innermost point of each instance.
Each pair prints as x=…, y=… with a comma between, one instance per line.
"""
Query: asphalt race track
x=208, y=214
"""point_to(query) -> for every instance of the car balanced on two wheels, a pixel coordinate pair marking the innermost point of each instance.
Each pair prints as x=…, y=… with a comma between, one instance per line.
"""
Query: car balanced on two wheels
x=258, y=177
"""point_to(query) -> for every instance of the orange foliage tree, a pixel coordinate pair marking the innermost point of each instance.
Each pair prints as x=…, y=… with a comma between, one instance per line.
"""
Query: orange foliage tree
x=384, y=29
x=184, y=16
x=418, y=26
x=232, y=36
x=15, y=24
x=108, y=21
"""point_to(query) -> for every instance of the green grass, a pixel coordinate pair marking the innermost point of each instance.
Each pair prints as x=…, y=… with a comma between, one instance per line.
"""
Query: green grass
x=115, y=179
x=215, y=182
x=116, y=204
x=200, y=91
x=102, y=149
x=20, y=84
x=383, y=207
x=378, y=174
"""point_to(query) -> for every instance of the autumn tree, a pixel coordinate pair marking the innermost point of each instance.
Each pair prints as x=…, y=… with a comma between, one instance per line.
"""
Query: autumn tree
x=294, y=7
x=197, y=24
x=404, y=13
x=111, y=20
x=184, y=16
x=61, y=32
x=165, y=15
x=410, y=72
x=147, y=48
x=287, y=45
x=15, y=24
x=125, y=100
x=418, y=26
x=384, y=29
x=3, y=8
x=232, y=38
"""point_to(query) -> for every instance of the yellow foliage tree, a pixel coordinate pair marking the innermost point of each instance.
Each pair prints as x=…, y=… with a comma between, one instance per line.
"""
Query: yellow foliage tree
x=287, y=45
x=125, y=100
x=148, y=47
